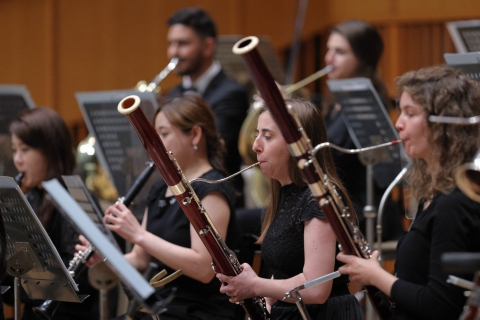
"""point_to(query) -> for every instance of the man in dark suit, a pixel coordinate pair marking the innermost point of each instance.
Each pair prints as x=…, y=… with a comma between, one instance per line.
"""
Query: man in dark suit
x=192, y=39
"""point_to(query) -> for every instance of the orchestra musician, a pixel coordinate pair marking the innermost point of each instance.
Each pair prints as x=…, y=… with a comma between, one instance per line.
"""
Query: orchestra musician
x=43, y=150
x=354, y=48
x=186, y=126
x=446, y=220
x=297, y=241
x=192, y=37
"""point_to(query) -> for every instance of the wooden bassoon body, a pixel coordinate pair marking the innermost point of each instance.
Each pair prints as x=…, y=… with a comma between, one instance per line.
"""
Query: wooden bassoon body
x=330, y=201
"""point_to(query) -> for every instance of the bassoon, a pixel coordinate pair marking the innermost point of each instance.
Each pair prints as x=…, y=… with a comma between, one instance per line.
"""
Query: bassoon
x=326, y=194
x=224, y=260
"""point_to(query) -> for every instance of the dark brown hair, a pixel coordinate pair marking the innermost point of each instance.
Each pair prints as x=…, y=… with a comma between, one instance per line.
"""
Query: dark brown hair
x=44, y=130
x=191, y=110
x=197, y=19
x=442, y=91
x=367, y=45
x=314, y=126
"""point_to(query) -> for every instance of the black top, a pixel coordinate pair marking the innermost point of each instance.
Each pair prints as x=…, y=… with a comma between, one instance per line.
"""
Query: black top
x=64, y=237
x=284, y=252
x=451, y=223
x=167, y=220
x=229, y=102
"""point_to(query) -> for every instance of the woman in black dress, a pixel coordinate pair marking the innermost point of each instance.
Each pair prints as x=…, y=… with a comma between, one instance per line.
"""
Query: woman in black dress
x=446, y=220
x=43, y=150
x=298, y=243
x=187, y=128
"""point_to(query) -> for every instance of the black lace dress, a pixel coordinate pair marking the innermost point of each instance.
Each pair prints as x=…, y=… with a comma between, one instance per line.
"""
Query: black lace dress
x=283, y=251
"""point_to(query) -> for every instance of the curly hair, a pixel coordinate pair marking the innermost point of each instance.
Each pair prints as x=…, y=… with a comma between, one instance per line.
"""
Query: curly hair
x=442, y=91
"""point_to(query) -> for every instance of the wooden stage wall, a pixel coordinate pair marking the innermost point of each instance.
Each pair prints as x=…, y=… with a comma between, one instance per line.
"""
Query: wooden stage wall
x=57, y=48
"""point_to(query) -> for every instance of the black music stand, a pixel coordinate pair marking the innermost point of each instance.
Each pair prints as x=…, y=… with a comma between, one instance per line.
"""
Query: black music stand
x=369, y=124
x=82, y=196
x=465, y=35
x=468, y=63
x=117, y=146
x=139, y=287
x=31, y=255
x=13, y=99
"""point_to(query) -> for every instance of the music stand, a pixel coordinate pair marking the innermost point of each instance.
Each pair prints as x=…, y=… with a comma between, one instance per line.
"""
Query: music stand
x=31, y=255
x=368, y=124
x=468, y=63
x=139, y=287
x=117, y=146
x=82, y=196
x=465, y=35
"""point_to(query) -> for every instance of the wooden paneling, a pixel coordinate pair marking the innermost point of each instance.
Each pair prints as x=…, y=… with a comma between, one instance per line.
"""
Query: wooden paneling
x=57, y=48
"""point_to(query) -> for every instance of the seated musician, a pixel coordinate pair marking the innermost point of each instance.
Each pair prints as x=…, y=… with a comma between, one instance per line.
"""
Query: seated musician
x=446, y=220
x=187, y=128
x=298, y=243
x=43, y=150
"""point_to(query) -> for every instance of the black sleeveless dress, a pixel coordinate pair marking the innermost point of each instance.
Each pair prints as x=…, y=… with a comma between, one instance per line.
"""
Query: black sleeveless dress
x=283, y=251
x=166, y=219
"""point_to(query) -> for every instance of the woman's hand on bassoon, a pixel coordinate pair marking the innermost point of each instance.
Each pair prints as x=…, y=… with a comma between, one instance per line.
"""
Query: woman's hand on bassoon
x=121, y=220
x=241, y=286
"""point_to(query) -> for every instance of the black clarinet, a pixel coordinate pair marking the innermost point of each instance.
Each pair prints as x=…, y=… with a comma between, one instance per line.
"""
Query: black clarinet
x=138, y=184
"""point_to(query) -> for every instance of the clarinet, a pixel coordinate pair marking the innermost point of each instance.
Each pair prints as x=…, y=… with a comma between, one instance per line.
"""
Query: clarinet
x=48, y=308
x=224, y=260
x=138, y=184
x=337, y=213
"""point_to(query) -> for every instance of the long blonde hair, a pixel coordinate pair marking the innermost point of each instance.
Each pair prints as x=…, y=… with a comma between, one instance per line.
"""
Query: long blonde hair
x=312, y=121
x=442, y=91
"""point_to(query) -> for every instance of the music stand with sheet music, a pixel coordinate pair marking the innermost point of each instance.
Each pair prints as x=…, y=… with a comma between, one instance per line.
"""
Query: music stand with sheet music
x=82, y=196
x=139, y=287
x=31, y=255
x=468, y=63
x=465, y=35
x=117, y=146
x=13, y=99
x=369, y=124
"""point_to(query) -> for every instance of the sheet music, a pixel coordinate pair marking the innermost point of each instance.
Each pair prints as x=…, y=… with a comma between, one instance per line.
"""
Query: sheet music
x=369, y=124
x=465, y=35
x=117, y=146
x=114, y=258
x=82, y=196
x=468, y=63
x=28, y=245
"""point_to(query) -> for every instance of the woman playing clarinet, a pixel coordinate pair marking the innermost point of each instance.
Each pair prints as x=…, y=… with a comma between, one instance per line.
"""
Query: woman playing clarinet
x=298, y=243
x=446, y=219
